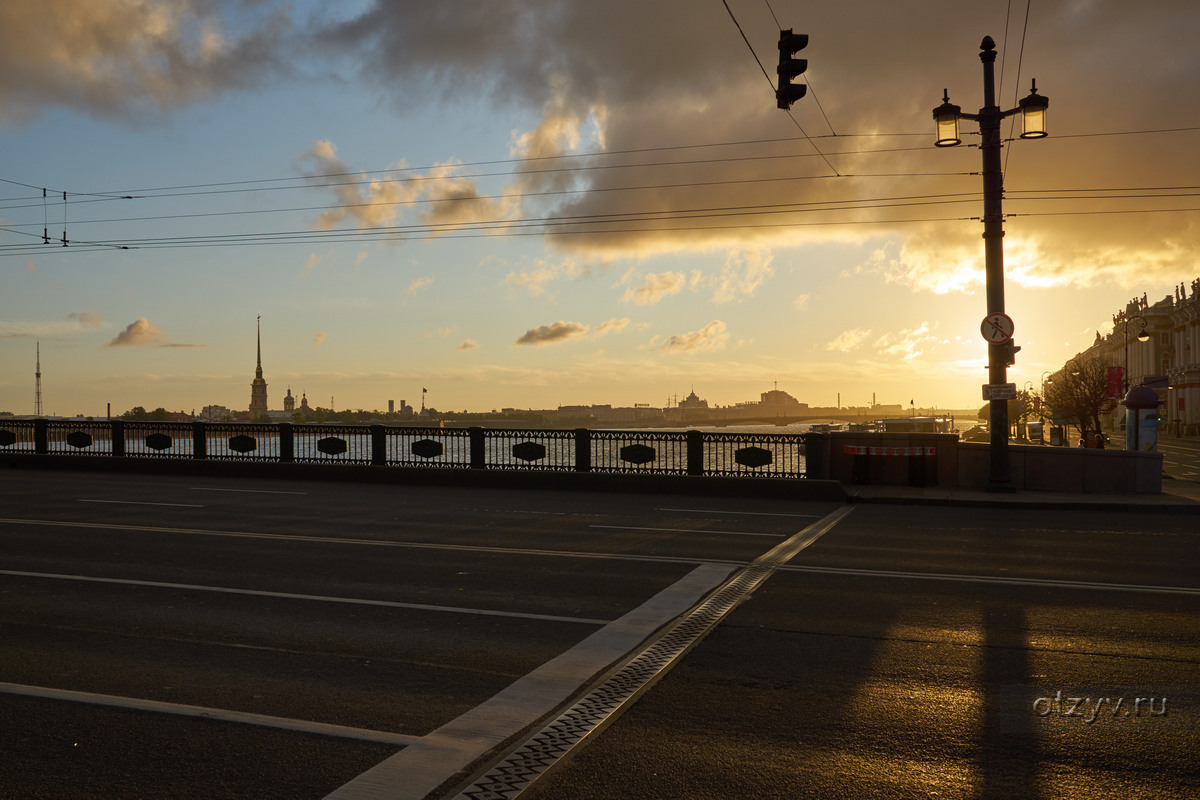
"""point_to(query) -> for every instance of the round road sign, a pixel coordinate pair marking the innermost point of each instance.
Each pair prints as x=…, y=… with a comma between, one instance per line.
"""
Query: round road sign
x=997, y=328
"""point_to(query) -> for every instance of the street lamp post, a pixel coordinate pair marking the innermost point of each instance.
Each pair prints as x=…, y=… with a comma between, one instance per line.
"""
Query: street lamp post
x=1033, y=117
x=1142, y=336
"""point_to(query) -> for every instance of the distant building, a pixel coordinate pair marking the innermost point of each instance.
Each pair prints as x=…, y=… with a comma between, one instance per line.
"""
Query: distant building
x=693, y=408
x=216, y=413
x=692, y=402
x=1168, y=361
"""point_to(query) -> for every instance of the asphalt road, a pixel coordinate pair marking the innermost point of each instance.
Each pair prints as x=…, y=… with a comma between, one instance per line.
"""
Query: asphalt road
x=163, y=636
x=1181, y=457
x=255, y=612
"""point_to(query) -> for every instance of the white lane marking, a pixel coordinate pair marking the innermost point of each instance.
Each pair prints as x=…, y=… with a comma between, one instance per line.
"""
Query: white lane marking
x=743, y=513
x=137, y=503
x=1056, y=584
x=293, y=596
x=417, y=770
x=463, y=548
x=246, y=491
x=137, y=704
x=684, y=530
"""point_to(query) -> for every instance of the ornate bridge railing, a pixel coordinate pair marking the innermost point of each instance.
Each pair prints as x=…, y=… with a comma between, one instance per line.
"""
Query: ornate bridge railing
x=581, y=450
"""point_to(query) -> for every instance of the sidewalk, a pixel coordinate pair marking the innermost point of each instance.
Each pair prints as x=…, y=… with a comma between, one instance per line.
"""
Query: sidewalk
x=1178, y=497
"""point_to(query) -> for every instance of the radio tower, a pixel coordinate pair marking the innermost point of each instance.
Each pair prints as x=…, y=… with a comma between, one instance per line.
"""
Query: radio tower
x=37, y=394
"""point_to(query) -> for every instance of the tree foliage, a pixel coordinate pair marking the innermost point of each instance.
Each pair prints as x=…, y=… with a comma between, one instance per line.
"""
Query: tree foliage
x=1078, y=393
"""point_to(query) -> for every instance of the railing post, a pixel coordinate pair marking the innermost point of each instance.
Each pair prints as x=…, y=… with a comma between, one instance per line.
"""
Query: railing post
x=478, y=448
x=199, y=440
x=583, y=450
x=378, y=446
x=41, y=436
x=118, y=437
x=695, y=452
x=287, y=443
x=817, y=455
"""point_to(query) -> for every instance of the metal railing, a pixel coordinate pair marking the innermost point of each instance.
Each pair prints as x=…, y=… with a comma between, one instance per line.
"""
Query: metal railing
x=657, y=452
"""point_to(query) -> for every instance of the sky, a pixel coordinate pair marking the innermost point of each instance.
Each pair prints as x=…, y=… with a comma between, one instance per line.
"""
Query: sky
x=530, y=203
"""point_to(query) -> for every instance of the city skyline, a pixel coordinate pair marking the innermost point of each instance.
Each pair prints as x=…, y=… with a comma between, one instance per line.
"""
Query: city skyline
x=544, y=204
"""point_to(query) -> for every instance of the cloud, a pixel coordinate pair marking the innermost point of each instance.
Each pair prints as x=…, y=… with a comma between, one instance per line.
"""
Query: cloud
x=140, y=331
x=612, y=326
x=311, y=264
x=742, y=274
x=319, y=339
x=535, y=278
x=908, y=344
x=801, y=302
x=448, y=200
x=596, y=77
x=87, y=319
x=417, y=285
x=553, y=334
x=848, y=340
x=711, y=337
x=467, y=344
x=128, y=57
x=654, y=287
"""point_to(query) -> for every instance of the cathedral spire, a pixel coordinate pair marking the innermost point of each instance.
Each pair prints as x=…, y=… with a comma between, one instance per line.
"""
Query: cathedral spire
x=258, y=386
x=258, y=369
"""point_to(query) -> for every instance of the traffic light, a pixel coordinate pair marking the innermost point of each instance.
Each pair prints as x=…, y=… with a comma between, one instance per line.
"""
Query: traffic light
x=786, y=92
x=1009, y=351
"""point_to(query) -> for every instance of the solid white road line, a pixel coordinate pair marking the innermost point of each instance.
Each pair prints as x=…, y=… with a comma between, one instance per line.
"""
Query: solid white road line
x=685, y=530
x=137, y=503
x=292, y=596
x=244, y=491
x=742, y=513
x=137, y=704
x=1054, y=584
x=286, y=537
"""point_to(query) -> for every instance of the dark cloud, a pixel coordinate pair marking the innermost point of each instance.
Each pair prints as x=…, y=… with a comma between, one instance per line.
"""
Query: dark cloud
x=121, y=57
x=625, y=75
x=553, y=333
x=711, y=337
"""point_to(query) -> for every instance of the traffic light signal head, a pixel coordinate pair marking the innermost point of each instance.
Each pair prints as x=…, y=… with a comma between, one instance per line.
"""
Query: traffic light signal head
x=1008, y=352
x=787, y=92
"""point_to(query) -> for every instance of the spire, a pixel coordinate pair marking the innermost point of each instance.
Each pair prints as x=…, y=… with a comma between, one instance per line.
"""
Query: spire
x=258, y=386
x=258, y=369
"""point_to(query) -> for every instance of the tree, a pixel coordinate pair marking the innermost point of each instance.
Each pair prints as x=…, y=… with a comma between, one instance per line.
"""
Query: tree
x=1077, y=393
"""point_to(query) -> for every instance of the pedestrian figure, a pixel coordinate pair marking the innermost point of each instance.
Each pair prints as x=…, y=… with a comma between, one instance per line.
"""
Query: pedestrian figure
x=1099, y=441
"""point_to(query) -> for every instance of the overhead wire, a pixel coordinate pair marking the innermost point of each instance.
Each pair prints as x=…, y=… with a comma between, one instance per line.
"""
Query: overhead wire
x=771, y=83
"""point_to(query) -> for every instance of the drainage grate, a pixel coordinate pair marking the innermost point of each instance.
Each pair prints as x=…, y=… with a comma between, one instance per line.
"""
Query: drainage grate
x=523, y=766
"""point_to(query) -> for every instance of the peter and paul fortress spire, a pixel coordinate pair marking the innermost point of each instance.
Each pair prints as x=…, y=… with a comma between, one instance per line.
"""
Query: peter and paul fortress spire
x=258, y=386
